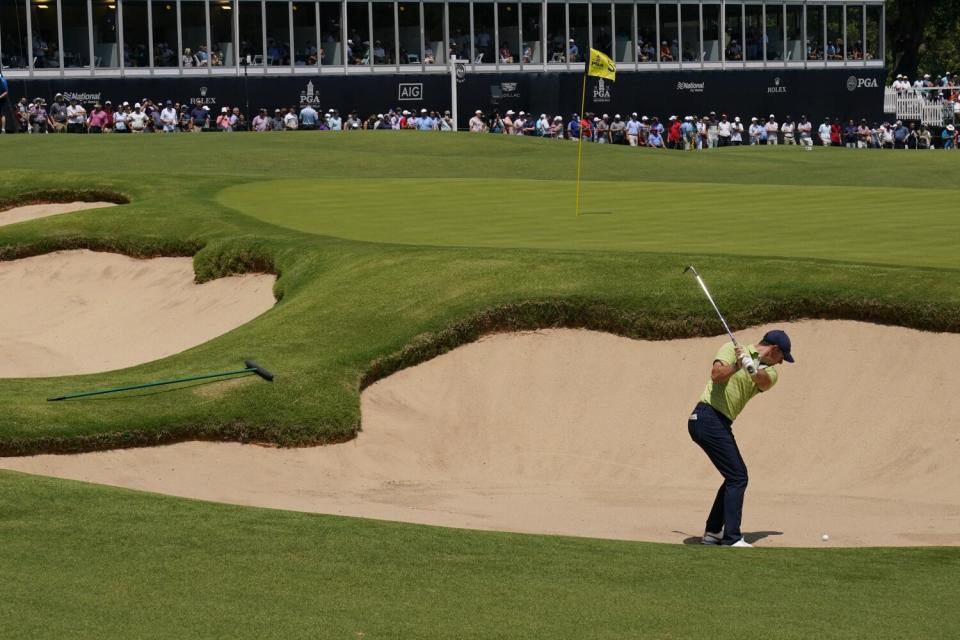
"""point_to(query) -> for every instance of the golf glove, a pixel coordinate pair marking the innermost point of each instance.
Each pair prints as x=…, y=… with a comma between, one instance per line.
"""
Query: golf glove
x=746, y=362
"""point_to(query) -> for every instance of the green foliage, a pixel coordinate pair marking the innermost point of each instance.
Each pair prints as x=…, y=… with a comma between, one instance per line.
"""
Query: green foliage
x=922, y=37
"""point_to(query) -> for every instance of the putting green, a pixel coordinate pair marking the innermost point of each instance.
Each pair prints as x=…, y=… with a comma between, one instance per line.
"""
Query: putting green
x=858, y=224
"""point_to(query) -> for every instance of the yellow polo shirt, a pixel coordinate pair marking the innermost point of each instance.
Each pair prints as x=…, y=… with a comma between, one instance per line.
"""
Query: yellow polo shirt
x=730, y=397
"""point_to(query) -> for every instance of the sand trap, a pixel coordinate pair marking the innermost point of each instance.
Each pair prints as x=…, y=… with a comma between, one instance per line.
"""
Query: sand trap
x=73, y=312
x=34, y=211
x=583, y=433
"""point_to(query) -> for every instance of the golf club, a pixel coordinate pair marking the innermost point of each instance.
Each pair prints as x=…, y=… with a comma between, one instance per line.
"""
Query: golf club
x=249, y=367
x=751, y=369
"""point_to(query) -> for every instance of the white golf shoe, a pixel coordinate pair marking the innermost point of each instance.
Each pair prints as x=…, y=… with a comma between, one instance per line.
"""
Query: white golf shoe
x=743, y=544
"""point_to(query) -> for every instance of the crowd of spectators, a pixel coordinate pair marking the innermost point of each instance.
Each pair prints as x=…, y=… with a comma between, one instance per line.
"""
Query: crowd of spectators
x=711, y=131
x=690, y=132
x=945, y=87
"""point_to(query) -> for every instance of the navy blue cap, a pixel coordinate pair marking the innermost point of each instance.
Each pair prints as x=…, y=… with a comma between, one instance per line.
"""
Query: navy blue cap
x=781, y=340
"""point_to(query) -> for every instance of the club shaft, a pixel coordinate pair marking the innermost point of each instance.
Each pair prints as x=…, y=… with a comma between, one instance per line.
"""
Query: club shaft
x=714, y=305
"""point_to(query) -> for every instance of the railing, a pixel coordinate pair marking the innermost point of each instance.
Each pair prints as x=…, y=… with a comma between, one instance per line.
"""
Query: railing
x=922, y=104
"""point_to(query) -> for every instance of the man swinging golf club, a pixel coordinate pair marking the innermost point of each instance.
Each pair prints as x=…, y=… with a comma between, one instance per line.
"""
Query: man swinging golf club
x=737, y=375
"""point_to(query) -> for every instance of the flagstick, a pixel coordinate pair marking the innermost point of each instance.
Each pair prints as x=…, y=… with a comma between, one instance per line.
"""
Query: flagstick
x=583, y=102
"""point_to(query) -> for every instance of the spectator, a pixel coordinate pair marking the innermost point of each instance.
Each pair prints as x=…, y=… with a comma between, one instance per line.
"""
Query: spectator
x=58, y=114
x=864, y=135
x=334, y=121
x=276, y=122
x=557, y=128
x=188, y=59
x=573, y=52
x=666, y=54
x=446, y=122
x=947, y=136
x=924, y=138
x=137, y=120
x=850, y=135
x=308, y=117
x=633, y=130
x=788, y=129
x=836, y=132
x=805, y=129
x=223, y=120
x=506, y=56
x=602, y=128
x=508, y=121
x=184, y=120
x=900, y=133
x=736, y=132
x=655, y=140
x=200, y=117
x=753, y=132
x=687, y=130
x=496, y=123
x=476, y=124
x=121, y=117
x=4, y=101
x=261, y=121
x=76, y=117
x=290, y=120
x=618, y=130
x=169, y=118
x=724, y=131
x=353, y=122
x=824, y=132
x=573, y=127
x=772, y=130
x=97, y=119
x=673, y=133
x=40, y=119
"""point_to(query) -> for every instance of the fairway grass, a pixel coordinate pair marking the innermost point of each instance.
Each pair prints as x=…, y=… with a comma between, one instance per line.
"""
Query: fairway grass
x=792, y=221
x=382, y=265
x=109, y=563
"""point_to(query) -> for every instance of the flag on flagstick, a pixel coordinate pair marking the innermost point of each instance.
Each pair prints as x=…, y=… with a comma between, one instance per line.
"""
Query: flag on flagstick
x=601, y=66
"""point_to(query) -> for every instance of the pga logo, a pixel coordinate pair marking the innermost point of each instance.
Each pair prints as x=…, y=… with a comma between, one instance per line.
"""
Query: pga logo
x=410, y=91
x=854, y=83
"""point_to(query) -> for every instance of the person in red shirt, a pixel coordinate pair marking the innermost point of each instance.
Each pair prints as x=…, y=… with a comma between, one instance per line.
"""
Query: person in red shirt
x=586, y=127
x=673, y=134
x=835, y=132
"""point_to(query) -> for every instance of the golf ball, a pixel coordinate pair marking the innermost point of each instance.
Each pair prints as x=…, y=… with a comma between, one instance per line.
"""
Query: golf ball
x=825, y=537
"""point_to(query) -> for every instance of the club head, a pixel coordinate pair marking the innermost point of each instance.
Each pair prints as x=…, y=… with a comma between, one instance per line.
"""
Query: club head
x=690, y=268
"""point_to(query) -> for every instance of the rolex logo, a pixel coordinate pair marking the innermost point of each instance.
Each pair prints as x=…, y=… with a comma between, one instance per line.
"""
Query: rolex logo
x=203, y=92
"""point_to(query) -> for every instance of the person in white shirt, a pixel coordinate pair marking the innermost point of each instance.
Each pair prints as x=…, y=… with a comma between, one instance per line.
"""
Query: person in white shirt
x=168, y=118
x=633, y=130
x=120, y=118
x=788, y=129
x=773, y=129
x=477, y=124
x=724, y=131
x=824, y=132
x=805, y=128
x=702, y=132
x=736, y=132
x=290, y=120
x=76, y=117
x=137, y=119
x=753, y=132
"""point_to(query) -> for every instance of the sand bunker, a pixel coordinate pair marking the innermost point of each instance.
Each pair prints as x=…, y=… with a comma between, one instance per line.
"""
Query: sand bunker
x=583, y=433
x=73, y=312
x=34, y=211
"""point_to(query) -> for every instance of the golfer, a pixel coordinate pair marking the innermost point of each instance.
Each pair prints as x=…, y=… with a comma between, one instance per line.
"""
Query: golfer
x=730, y=388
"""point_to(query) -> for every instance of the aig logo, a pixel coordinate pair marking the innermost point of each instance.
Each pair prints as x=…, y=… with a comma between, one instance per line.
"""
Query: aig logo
x=854, y=83
x=410, y=91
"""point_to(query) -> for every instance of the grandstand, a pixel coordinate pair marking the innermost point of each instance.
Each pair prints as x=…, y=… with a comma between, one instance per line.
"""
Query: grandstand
x=823, y=58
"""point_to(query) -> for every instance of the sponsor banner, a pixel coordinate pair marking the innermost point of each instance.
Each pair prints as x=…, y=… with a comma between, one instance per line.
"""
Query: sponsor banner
x=816, y=93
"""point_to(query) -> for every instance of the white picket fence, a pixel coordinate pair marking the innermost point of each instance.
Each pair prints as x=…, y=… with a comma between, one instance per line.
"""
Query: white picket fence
x=913, y=105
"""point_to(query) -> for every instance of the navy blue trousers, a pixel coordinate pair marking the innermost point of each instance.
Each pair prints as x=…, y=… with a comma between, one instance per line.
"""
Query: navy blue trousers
x=711, y=430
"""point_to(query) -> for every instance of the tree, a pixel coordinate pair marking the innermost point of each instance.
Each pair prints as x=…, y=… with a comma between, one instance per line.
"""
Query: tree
x=921, y=36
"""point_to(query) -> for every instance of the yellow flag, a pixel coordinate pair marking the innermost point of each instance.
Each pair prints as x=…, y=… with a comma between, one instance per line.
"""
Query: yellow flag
x=602, y=66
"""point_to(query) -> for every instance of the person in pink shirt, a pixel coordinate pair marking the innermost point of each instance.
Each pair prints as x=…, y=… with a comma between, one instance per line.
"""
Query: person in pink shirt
x=97, y=119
